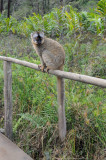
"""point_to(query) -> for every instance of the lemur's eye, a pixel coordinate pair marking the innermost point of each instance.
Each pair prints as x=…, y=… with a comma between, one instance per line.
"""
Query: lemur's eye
x=35, y=38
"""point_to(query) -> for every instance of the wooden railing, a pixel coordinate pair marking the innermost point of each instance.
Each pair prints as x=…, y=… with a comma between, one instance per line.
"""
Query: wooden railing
x=8, y=89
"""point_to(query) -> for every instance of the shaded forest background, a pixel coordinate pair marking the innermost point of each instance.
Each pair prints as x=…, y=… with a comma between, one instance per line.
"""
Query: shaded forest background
x=21, y=8
x=80, y=26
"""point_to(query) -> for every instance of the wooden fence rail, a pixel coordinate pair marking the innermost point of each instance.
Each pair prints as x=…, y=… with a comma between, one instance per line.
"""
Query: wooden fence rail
x=68, y=75
x=8, y=87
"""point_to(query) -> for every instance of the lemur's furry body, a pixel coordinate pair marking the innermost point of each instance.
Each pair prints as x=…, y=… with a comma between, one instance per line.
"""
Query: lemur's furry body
x=51, y=53
x=52, y=56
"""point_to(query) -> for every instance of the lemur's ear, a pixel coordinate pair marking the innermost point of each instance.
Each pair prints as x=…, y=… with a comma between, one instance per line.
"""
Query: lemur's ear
x=34, y=35
x=31, y=35
x=41, y=34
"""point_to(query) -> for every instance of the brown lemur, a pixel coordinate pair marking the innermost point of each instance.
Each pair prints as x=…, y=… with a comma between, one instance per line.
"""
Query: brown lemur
x=52, y=56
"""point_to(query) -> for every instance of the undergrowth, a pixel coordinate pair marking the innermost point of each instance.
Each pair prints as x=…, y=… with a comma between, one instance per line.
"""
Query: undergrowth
x=35, y=117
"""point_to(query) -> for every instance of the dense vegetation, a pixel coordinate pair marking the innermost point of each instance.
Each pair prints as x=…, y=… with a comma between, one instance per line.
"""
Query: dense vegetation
x=24, y=8
x=35, y=121
x=59, y=22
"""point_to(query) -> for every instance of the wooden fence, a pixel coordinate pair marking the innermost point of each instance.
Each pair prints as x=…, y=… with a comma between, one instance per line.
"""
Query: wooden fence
x=8, y=91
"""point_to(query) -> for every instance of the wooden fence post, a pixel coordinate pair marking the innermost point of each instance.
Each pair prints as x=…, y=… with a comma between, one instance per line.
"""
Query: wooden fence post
x=8, y=98
x=61, y=74
x=61, y=108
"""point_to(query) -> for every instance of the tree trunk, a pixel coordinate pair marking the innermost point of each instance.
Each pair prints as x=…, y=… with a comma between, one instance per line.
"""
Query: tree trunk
x=48, y=4
x=43, y=6
x=38, y=7
x=61, y=2
x=1, y=8
x=9, y=2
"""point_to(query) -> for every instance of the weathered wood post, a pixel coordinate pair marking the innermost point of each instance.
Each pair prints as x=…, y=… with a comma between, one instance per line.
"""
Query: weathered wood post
x=8, y=98
x=61, y=74
x=61, y=108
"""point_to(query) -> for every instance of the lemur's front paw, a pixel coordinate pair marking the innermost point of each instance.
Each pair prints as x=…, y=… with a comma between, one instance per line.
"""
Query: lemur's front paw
x=41, y=67
x=47, y=70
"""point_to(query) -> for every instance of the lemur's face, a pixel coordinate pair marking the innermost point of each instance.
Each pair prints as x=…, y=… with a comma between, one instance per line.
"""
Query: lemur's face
x=38, y=37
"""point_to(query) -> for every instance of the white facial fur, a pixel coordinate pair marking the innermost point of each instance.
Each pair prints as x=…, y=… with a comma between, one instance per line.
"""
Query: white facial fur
x=35, y=35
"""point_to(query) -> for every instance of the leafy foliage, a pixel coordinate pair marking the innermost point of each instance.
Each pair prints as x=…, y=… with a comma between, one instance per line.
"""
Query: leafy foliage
x=35, y=107
x=101, y=7
x=65, y=20
x=35, y=116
